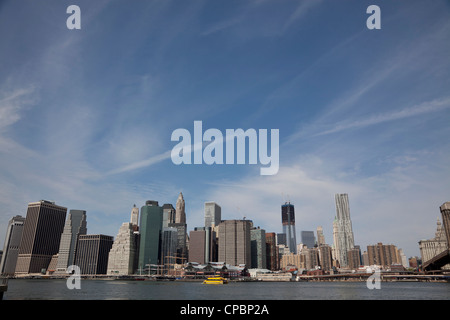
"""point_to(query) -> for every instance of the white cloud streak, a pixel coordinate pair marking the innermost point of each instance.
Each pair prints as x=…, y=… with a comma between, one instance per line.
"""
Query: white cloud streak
x=423, y=108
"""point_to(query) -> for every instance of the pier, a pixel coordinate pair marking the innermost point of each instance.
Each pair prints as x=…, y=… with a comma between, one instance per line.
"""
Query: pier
x=3, y=286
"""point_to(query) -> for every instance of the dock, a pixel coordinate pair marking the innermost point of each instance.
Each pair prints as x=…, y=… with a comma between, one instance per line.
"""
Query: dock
x=3, y=286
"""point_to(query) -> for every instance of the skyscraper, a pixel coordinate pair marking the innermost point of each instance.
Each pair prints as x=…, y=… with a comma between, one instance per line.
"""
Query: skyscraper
x=93, y=252
x=320, y=236
x=150, y=234
x=169, y=242
x=180, y=213
x=342, y=230
x=168, y=215
x=288, y=221
x=134, y=219
x=11, y=245
x=308, y=238
x=202, y=245
x=42, y=231
x=75, y=226
x=180, y=225
x=258, y=248
x=213, y=214
x=122, y=257
x=271, y=251
x=234, y=242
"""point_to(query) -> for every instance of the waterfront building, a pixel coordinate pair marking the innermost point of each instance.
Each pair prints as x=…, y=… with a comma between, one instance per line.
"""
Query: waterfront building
x=311, y=258
x=41, y=235
x=342, y=230
x=354, y=258
x=291, y=260
x=150, y=234
x=213, y=214
x=288, y=222
x=202, y=245
x=197, y=246
x=383, y=255
x=445, y=212
x=92, y=253
x=258, y=248
x=271, y=251
x=122, y=259
x=75, y=226
x=365, y=259
x=169, y=242
x=432, y=247
x=325, y=257
x=308, y=238
x=234, y=242
x=11, y=245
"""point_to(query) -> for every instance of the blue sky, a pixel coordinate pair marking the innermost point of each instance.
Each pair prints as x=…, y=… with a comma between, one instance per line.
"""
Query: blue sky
x=86, y=116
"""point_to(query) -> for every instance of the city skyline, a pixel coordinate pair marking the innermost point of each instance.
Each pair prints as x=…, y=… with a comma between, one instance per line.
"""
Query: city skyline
x=86, y=116
x=341, y=229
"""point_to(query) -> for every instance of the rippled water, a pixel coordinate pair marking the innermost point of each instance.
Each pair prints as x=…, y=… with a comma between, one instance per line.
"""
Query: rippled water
x=149, y=290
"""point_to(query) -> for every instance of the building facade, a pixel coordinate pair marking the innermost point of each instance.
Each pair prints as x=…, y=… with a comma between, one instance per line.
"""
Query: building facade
x=11, y=245
x=169, y=245
x=320, y=236
x=150, y=234
x=432, y=247
x=134, y=218
x=213, y=214
x=202, y=245
x=288, y=222
x=75, y=226
x=234, y=242
x=271, y=251
x=308, y=238
x=41, y=236
x=93, y=253
x=325, y=257
x=383, y=255
x=122, y=258
x=342, y=230
x=258, y=248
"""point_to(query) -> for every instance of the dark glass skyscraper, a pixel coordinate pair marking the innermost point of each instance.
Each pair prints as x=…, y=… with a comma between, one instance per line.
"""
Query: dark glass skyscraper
x=11, y=247
x=42, y=231
x=288, y=221
x=92, y=253
x=150, y=234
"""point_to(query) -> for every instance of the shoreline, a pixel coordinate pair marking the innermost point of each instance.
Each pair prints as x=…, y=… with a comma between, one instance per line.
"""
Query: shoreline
x=303, y=278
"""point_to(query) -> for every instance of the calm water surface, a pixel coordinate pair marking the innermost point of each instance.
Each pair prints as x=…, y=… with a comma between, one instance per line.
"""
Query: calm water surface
x=47, y=289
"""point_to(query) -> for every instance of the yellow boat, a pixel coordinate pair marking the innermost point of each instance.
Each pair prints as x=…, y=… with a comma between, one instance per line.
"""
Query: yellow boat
x=215, y=280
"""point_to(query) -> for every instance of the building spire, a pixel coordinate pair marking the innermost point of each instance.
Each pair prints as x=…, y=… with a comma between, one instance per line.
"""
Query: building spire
x=180, y=214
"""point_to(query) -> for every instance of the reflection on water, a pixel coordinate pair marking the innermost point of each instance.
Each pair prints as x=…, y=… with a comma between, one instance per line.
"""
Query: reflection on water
x=143, y=290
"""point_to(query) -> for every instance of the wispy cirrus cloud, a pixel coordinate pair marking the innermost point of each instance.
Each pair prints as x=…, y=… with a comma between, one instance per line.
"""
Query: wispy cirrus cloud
x=423, y=108
x=12, y=104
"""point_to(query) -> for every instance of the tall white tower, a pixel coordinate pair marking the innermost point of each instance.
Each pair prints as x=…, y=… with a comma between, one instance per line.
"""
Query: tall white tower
x=342, y=230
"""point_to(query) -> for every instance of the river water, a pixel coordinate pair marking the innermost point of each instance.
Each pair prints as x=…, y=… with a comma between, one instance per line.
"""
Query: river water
x=57, y=289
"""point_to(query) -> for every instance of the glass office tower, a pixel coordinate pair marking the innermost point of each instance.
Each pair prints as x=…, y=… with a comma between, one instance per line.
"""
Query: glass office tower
x=288, y=221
